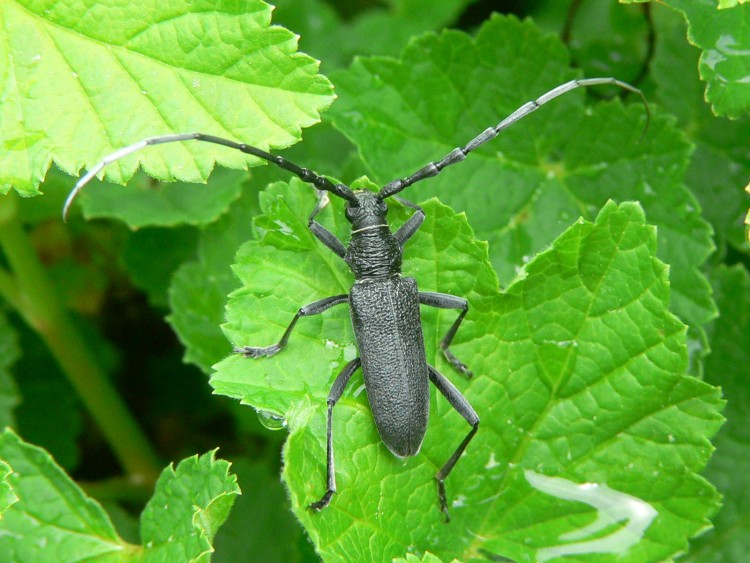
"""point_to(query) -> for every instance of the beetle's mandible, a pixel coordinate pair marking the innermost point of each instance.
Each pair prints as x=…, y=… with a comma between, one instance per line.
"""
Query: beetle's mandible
x=384, y=305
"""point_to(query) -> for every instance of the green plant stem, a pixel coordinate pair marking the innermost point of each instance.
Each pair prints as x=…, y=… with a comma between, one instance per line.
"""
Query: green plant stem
x=9, y=289
x=36, y=300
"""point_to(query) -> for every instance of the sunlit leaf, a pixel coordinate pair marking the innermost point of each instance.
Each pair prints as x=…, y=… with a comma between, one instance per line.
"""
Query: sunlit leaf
x=79, y=81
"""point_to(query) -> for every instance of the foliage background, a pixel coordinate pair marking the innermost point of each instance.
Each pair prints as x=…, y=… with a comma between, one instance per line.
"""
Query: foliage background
x=143, y=287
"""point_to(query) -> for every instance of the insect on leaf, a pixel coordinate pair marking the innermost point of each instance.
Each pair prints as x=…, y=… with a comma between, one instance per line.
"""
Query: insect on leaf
x=579, y=380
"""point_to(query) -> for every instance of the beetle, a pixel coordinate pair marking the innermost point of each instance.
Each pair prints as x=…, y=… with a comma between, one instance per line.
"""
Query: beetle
x=384, y=306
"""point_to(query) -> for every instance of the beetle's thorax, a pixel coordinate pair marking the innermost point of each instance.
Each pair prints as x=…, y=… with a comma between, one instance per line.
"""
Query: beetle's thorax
x=373, y=253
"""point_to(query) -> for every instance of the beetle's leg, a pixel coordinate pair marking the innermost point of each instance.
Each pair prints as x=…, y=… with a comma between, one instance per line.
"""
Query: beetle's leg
x=458, y=402
x=311, y=309
x=324, y=235
x=446, y=301
x=333, y=397
x=407, y=230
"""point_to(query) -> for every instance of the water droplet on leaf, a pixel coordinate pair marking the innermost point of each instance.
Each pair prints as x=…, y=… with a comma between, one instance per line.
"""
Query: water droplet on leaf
x=271, y=420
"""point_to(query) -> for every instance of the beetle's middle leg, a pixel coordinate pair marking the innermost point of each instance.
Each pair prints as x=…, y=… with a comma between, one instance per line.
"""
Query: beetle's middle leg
x=311, y=309
x=337, y=389
x=447, y=301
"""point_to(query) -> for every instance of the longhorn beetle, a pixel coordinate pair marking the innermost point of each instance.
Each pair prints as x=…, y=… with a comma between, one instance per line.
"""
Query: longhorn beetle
x=384, y=306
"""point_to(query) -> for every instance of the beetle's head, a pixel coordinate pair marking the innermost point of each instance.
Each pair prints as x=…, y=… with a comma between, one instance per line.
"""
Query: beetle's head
x=367, y=210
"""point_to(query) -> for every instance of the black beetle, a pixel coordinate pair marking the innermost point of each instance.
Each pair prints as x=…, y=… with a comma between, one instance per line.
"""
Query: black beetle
x=384, y=305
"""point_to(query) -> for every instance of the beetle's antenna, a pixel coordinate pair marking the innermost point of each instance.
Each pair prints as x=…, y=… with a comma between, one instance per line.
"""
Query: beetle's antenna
x=303, y=173
x=459, y=153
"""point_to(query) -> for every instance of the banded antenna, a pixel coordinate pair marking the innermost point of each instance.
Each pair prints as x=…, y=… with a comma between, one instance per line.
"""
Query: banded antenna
x=391, y=188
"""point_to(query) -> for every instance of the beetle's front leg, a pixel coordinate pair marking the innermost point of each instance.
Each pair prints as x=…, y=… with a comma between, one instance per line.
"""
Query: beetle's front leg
x=324, y=235
x=407, y=230
x=312, y=309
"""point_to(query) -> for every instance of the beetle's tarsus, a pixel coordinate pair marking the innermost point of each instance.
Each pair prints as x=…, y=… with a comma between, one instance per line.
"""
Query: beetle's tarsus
x=442, y=499
x=253, y=352
x=322, y=503
x=457, y=364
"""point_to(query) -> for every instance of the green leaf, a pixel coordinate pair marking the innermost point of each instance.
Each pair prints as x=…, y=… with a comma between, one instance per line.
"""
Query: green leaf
x=579, y=376
x=7, y=495
x=189, y=505
x=721, y=32
x=381, y=30
x=426, y=558
x=54, y=520
x=524, y=188
x=729, y=367
x=80, y=81
x=151, y=203
x=604, y=38
x=720, y=166
x=724, y=65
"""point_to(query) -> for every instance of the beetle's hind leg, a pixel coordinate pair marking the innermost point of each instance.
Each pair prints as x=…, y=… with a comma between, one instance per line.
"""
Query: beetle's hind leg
x=447, y=301
x=311, y=309
x=337, y=389
x=458, y=402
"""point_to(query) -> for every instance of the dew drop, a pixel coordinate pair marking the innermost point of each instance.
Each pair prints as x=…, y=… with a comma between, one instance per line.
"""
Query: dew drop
x=271, y=420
